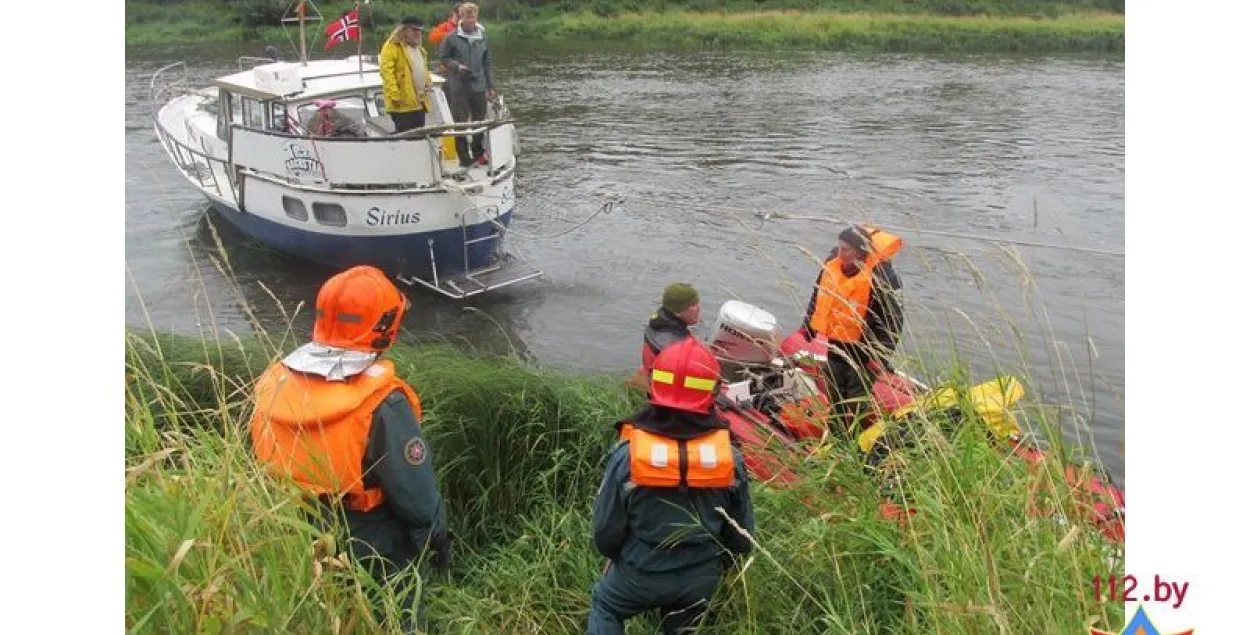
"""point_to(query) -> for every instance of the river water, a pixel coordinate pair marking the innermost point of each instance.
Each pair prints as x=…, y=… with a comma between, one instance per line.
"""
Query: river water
x=959, y=154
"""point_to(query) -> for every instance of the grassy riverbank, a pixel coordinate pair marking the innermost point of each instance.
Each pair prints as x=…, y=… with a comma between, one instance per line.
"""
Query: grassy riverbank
x=883, y=25
x=211, y=543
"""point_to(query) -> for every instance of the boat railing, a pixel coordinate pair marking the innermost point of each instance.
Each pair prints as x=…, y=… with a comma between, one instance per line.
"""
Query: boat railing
x=253, y=62
x=459, y=129
x=198, y=165
x=166, y=82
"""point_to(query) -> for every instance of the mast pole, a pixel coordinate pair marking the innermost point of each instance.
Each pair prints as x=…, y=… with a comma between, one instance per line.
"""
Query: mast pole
x=303, y=47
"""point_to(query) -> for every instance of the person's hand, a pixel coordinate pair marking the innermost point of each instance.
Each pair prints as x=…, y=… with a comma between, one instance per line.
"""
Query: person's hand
x=491, y=94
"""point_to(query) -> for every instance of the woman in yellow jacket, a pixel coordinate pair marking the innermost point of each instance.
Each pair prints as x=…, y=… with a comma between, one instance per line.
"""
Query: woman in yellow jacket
x=406, y=80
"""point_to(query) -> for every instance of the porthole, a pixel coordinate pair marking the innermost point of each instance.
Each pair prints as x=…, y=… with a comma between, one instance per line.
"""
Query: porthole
x=330, y=214
x=294, y=208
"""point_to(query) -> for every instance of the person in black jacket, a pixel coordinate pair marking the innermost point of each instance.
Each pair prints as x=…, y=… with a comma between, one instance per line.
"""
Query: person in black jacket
x=679, y=310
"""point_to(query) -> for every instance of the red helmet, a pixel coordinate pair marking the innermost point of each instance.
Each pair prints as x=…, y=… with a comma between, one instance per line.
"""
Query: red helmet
x=685, y=377
x=359, y=309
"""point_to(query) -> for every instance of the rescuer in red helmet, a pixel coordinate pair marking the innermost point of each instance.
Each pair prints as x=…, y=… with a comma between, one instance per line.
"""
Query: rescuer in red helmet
x=655, y=516
x=334, y=418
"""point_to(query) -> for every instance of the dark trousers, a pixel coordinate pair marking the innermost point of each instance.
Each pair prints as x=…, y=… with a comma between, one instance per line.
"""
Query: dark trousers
x=408, y=120
x=391, y=552
x=467, y=105
x=850, y=382
x=620, y=594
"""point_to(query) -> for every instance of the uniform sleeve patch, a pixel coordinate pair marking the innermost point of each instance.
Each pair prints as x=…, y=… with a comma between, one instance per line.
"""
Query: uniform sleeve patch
x=414, y=451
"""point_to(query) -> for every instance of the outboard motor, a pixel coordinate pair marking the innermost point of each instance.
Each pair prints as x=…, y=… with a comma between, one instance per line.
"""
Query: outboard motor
x=745, y=336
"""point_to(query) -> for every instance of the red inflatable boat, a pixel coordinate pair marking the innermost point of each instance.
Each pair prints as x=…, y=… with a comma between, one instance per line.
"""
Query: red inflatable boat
x=775, y=401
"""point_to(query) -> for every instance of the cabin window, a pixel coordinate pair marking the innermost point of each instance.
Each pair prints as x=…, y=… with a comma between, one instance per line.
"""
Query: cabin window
x=294, y=208
x=225, y=108
x=277, y=117
x=330, y=214
x=253, y=114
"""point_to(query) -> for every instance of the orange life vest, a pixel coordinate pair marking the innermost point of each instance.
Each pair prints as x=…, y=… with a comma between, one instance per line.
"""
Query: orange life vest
x=315, y=431
x=441, y=31
x=841, y=300
x=658, y=461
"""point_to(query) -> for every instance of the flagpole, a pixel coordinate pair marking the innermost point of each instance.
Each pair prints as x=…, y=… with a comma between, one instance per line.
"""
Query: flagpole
x=360, y=42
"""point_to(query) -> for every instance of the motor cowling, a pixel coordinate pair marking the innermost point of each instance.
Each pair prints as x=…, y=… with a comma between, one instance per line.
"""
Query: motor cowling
x=744, y=334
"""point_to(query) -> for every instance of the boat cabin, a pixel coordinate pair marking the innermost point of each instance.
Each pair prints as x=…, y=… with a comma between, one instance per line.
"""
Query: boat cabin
x=339, y=98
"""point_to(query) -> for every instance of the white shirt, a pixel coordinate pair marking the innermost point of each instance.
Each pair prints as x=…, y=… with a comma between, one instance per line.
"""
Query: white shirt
x=417, y=60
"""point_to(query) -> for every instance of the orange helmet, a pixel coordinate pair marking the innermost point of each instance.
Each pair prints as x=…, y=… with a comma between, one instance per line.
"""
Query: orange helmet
x=359, y=309
x=685, y=377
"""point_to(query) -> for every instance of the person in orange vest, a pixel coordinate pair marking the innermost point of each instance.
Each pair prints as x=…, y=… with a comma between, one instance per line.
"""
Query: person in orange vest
x=855, y=305
x=655, y=516
x=334, y=418
x=446, y=26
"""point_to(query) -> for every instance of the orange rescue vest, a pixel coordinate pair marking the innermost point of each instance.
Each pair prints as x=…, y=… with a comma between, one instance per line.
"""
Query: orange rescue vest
x=315, y=431
x=658, y=461
x=841, y=300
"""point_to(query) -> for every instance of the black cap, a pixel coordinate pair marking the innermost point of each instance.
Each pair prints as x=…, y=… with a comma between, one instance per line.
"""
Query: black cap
x=857, y=237
x=413, y=22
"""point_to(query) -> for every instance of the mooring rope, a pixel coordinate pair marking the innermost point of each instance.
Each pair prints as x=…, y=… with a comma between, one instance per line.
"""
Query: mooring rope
x=606, y=208
x=766, y=215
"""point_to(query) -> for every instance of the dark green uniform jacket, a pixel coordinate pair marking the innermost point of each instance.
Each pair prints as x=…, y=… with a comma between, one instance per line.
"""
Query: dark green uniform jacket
x=654, y=530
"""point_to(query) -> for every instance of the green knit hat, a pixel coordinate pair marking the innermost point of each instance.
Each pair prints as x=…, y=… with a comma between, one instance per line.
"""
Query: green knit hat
x=679, y=296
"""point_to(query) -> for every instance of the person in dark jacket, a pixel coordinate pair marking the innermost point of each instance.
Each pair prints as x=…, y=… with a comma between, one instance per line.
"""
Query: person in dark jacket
x=855, y=305
x=470, y=79
x=679, y=310
x=334, y=418
x=656, y=514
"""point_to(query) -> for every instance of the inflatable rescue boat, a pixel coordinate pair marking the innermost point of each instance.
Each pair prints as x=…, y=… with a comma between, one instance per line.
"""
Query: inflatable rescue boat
x=775, y=400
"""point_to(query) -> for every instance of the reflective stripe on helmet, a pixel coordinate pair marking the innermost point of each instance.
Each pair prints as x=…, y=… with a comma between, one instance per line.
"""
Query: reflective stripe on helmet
x=662, y=376
x=700, y=383
x=349, y=318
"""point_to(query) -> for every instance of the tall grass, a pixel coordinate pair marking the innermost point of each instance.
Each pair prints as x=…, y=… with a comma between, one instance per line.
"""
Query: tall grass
x=885, y=25
x=213, y=544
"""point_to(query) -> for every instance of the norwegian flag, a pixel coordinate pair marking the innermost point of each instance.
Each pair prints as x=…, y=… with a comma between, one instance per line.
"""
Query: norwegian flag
x=343, y=29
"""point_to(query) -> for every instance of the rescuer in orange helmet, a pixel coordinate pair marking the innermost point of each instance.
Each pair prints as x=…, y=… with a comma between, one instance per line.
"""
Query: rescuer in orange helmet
x=334, y=418
x=673, y=463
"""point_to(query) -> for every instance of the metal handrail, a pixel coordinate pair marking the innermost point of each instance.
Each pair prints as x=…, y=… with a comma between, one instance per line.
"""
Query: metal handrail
x=250, y=58
x=177, y=148
x=155, y=91
x=450, y=129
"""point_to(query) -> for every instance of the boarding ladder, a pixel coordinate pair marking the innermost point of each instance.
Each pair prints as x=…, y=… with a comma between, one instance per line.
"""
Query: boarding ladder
x=503, y=268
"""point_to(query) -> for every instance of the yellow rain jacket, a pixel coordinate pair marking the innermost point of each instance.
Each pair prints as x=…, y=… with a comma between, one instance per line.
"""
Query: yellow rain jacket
x=397, y=89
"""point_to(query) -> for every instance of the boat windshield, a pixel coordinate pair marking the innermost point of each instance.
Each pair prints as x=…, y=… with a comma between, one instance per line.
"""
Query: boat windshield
x=341, y=116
